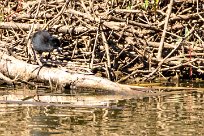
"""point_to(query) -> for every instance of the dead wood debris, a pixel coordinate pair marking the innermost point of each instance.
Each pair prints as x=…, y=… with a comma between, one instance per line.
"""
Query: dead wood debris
x=121, y=40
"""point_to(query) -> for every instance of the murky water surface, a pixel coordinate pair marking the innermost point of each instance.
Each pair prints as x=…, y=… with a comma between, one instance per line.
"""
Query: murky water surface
x=177, y=112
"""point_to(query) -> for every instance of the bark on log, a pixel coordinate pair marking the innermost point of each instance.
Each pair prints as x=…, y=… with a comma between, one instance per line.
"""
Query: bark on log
x=14, y=68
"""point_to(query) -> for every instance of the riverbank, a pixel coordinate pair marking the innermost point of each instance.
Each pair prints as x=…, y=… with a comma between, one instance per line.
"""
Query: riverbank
x=126, y=42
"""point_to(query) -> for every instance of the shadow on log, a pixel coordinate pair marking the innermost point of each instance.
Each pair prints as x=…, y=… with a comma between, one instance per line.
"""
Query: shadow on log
x=13, y=68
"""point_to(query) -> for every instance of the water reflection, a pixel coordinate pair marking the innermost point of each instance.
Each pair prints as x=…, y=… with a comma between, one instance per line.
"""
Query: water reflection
x=179, y=113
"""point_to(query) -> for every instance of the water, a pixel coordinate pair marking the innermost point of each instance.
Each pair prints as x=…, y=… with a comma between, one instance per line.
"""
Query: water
x=178, y=112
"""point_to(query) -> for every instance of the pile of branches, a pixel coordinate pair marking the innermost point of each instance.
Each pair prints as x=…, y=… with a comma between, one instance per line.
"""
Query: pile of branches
x=121, y=40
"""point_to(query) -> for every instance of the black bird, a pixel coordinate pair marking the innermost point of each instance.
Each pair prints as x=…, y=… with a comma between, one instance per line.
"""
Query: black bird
x=44, y=42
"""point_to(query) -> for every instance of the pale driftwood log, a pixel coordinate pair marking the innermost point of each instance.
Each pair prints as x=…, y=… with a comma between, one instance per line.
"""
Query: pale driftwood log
x=18, y=69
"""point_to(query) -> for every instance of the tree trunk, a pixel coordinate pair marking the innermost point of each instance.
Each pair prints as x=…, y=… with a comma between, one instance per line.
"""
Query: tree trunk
x=18, y=69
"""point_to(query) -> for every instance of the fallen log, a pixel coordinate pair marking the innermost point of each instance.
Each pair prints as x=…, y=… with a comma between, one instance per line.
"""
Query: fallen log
x=18, y=69
x=57, y=28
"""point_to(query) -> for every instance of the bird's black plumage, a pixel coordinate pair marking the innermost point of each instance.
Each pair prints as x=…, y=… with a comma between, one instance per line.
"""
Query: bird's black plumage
x=44, y=42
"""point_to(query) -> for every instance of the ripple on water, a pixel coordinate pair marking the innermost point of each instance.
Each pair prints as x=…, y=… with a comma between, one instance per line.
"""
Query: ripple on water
x=179, y=113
